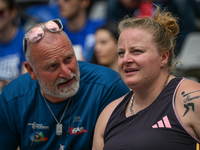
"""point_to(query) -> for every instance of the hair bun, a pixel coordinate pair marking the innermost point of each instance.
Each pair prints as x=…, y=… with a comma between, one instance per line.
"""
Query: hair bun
x=168, y=21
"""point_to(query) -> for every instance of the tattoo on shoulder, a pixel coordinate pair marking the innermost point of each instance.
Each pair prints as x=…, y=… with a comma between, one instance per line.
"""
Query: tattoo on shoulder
x=187, y=100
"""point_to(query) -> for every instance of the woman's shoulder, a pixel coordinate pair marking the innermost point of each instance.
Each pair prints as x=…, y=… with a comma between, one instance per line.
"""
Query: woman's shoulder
x=188, y=86
x=188, y=91
x=102, y=122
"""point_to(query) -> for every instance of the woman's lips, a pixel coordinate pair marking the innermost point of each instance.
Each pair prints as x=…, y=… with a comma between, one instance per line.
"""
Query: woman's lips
x=130, y=71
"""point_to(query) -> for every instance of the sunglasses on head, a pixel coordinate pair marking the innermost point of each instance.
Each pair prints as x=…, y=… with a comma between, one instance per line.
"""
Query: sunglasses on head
x=36, y=33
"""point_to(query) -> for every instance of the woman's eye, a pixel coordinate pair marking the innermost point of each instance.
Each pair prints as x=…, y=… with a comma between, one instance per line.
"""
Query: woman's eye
x=137, y=51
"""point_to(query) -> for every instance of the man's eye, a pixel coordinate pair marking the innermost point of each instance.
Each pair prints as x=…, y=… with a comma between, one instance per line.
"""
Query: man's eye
x=52, y=66
x=69, y=58
x=120, y=53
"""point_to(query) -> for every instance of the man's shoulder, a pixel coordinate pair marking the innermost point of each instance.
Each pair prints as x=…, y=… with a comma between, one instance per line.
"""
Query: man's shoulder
x=97, y=74
x=89, y=67
x=19, y=87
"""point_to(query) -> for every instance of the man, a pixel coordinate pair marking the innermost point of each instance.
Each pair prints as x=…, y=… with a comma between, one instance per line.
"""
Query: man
x=11, y=50
x=79, y=27
x=57, y=104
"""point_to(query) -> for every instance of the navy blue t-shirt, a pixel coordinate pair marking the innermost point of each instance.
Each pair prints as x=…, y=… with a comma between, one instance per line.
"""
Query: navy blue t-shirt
x=21, y=104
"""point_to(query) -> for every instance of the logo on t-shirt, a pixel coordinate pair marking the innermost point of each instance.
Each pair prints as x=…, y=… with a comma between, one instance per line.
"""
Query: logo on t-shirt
x=77, y=130
x=37, y=137
x=163, y=123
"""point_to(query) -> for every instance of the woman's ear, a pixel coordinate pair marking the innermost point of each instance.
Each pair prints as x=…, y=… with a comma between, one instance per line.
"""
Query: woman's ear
x=164, y=58
x=30, y=70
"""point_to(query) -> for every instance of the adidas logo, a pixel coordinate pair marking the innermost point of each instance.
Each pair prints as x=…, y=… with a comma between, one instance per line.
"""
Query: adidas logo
x=164, y=123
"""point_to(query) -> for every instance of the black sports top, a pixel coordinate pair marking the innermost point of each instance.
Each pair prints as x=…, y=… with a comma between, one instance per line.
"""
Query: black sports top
x=156, y=127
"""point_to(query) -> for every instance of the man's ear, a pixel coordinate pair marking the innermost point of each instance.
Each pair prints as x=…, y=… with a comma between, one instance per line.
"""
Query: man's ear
x=164, y=58
x=30, y=70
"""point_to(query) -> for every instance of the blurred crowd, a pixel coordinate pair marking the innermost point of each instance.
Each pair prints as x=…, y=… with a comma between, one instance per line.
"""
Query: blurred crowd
x=90, y=24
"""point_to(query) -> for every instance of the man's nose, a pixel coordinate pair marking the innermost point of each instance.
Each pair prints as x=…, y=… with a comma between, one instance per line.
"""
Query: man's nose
x=65, y=72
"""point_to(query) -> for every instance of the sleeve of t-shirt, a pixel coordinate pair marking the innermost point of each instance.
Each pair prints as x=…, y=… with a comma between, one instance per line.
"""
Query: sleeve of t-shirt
x=8, y=139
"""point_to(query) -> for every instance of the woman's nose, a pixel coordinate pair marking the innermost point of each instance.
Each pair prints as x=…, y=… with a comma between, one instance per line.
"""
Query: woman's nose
x=128, y=58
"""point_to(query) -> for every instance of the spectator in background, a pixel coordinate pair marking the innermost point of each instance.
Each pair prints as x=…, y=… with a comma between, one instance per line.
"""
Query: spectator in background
x=117, y=9
x=187, y=11
x=33, y=12
x=105, y=52
x=196, y=6
x=79, y=27
x=11, y=47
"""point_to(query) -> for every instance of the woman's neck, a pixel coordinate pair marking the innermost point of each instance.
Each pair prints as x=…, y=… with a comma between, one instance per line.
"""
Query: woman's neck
x=151, y=92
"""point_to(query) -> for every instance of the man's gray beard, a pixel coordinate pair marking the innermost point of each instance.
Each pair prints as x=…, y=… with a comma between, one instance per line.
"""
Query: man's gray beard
x=66, y=92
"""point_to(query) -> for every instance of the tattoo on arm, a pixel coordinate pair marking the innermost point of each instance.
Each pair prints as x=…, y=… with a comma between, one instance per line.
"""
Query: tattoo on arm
x=187, y=99
x=188, y=108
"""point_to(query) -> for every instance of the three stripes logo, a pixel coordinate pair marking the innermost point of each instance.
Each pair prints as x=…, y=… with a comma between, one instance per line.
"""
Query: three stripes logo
x=163, y=123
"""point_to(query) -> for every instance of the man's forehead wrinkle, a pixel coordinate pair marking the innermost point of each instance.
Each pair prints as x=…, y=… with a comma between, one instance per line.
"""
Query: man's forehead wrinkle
x=53, y=61
x=47, y=47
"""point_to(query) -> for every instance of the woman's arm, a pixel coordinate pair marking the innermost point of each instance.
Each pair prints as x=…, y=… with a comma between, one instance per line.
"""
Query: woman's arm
x=187, y=105
x=98, y=140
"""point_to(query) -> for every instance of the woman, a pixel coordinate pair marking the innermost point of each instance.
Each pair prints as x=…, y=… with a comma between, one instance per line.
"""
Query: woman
x=105, y=52
x=163, y=112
